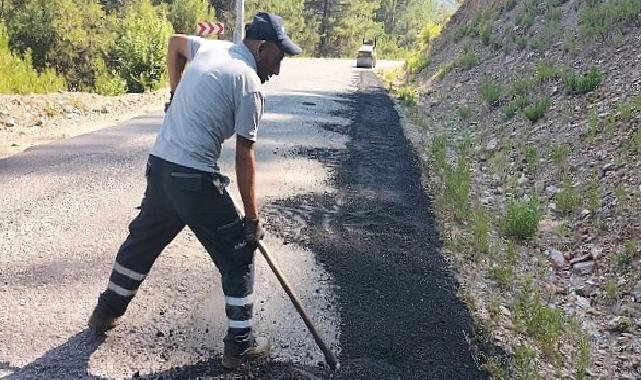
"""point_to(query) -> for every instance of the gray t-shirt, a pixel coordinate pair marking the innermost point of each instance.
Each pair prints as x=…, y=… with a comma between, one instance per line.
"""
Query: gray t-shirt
x=218, y=96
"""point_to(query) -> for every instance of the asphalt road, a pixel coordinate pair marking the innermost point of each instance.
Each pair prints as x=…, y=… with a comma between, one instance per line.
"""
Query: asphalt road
x=350, y=227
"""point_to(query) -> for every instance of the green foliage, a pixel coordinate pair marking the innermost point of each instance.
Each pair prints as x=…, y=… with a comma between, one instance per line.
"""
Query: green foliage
x=522, y=86
x=106, y=82
x=66, y=35
x=438, y=152
x=521, y=218
x=510, y=253
x=407, y=95
x=387, y=47
x=592, y=195
x=485, y=27
x=141, y=47
x=356, y=20
x=511, y=109
x=498, y=163
x=570, y=43
x=621, y=194
x=303, y=23
x=467, y=60
x=542, y=322
x=417, y=61
x=503, y=275
x=428, y=32
x=460, y=32
x=593, y=124
x=457, y=182
x=496, y=367
x=532, y=158
x=602, y=20
x=567, y=199
x=544, y=38
x=414, y=22
x=185, y=14
x=526, y=19
x=524, y=363
x=537, y=110
x=583, y=83
x=635, y=142
x=520, y=41
x=337, y=28
x=490, y=91
x=17, y=75
x=444, y=69
x=623, y=259
x=545, y=72
x=625, y=111
x=560, y=154
x=611, y=290
x=521, y=101
x=584, y=356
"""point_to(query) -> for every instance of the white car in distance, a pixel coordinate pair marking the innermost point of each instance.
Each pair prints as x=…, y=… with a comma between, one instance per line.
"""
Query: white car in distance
x=366, y=56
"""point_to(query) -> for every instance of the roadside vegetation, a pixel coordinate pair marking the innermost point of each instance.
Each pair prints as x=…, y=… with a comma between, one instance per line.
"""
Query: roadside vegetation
x=548, y=183
x=116, y=46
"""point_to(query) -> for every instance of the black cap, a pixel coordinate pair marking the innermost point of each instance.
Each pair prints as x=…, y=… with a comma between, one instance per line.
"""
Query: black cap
x=270, y=27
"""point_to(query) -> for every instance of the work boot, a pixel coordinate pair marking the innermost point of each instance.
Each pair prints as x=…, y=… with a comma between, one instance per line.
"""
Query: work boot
x=101, y=321
x=237, y=353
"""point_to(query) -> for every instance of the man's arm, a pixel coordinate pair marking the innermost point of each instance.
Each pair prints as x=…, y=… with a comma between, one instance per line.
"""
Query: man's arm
x=177, y=56
x=246, y=176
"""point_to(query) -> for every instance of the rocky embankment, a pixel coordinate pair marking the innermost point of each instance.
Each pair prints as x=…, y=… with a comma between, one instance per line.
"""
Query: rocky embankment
x=28, y=120
x=534, y=107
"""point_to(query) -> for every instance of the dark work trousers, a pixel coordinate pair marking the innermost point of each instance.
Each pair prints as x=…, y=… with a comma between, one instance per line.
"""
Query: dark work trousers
x=177, y=196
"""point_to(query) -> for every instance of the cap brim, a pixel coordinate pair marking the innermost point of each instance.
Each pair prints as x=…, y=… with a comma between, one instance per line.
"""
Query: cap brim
x=289, y=47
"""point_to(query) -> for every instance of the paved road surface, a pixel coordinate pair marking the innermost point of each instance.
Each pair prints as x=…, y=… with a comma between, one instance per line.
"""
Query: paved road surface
x=340, y=190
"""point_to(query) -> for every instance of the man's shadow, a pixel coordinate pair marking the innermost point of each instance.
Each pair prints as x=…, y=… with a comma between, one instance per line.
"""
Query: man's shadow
x=71, y=361
x=212, y=368
x=67, y=361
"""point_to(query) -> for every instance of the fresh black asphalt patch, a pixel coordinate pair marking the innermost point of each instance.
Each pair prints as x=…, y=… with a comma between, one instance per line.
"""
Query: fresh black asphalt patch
x=376, y=235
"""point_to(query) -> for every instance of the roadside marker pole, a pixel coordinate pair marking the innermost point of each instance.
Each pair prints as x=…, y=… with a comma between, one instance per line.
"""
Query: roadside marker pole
x=239, y=29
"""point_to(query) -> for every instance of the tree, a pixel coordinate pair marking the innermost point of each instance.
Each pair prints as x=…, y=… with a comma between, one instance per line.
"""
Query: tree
x=301, y=25
x=66, y=35
x=140, y=49
x=354, y=22
x=184, y=15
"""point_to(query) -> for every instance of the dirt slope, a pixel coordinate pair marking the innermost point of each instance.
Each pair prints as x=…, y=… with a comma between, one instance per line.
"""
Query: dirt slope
x=579, y=272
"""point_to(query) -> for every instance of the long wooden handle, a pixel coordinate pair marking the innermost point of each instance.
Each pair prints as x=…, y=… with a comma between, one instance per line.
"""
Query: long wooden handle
x=329, y=356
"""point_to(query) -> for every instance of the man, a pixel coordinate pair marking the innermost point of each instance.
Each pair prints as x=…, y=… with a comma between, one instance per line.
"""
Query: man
x=219, y=95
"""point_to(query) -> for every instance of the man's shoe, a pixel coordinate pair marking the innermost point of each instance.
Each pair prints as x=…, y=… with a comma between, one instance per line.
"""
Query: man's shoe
x=100, y=321
x=235, y=355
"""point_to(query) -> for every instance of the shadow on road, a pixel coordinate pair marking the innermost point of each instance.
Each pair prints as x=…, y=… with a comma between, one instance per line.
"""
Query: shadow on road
x=67, y=361
x=213, y=368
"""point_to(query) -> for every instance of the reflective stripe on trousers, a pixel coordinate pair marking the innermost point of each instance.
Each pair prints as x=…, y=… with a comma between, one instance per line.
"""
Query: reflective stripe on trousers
x=124, y=281
x=239, y=312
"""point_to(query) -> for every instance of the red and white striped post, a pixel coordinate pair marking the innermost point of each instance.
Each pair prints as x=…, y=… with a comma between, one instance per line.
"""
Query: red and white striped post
x=206, y=28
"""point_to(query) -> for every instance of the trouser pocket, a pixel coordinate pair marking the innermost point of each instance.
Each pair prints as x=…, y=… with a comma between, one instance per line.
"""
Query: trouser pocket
x=232, y=238
x=186, y=181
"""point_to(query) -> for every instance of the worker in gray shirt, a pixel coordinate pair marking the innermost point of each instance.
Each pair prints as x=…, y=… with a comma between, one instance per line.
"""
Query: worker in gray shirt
x=219, y=94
